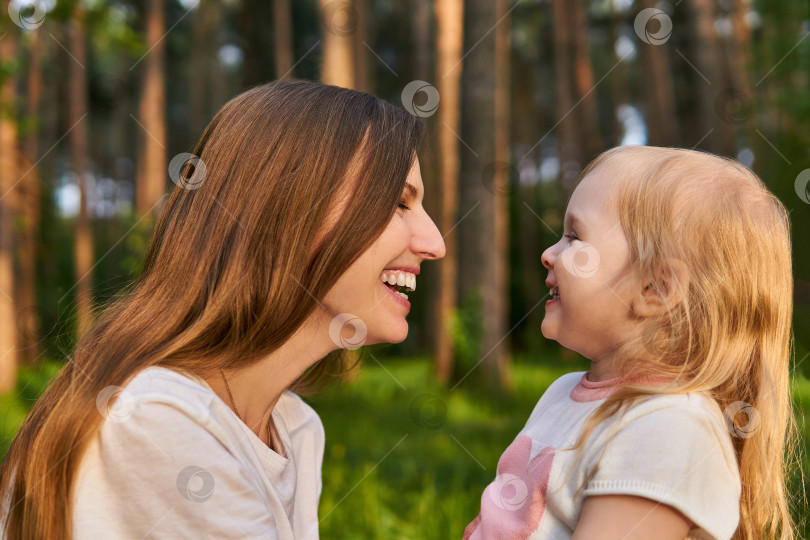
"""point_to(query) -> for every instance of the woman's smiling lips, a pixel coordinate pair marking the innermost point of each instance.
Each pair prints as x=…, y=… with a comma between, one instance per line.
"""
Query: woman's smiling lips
x=393, y=294
x=401, y=276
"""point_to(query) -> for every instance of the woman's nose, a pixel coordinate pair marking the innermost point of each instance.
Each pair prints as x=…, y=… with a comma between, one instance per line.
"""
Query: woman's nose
x=427, y=240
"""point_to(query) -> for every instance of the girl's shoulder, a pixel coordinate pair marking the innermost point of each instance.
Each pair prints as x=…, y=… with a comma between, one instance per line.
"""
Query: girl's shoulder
x=698, y=406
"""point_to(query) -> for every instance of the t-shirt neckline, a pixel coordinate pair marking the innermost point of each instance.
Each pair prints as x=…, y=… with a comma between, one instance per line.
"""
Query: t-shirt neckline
x=257, y=442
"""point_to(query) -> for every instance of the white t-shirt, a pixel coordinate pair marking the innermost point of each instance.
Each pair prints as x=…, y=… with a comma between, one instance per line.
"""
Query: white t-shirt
x=669, y=448
x=172, y=460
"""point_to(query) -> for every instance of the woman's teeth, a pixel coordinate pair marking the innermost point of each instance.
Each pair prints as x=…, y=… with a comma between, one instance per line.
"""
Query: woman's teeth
x=398, y=278
x=555, y=293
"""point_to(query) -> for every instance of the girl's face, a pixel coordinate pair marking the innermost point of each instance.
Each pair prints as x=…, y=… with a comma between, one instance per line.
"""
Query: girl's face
x=363, y=310
x=589, y=274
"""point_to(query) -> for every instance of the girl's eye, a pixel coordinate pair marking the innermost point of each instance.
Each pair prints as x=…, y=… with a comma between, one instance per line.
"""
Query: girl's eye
x=571, y=236
x=403, y=206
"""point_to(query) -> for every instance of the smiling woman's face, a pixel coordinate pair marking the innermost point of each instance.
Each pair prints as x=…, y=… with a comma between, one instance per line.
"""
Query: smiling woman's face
x=409, y=238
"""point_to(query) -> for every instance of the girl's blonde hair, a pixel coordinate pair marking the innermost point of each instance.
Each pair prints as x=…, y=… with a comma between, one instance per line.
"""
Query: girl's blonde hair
x=709, y=226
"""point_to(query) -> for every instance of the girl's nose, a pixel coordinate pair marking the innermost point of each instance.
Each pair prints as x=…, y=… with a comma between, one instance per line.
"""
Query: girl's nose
x=548, y=257
x=427, y=241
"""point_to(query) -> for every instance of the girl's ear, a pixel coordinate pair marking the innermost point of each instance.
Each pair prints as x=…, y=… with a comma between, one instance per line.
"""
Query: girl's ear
x=664, y=293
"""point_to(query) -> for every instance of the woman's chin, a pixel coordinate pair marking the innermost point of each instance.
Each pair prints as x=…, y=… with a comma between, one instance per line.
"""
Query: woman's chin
x=392, y=334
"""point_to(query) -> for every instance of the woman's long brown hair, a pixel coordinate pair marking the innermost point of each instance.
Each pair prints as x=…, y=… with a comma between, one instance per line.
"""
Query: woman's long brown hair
x=233, y=267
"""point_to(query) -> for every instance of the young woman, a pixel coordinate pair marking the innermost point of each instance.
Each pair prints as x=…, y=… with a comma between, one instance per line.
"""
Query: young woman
x=174, y=416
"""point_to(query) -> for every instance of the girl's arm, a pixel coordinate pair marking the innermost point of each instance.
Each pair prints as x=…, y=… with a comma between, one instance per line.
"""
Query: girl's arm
x=626, y=517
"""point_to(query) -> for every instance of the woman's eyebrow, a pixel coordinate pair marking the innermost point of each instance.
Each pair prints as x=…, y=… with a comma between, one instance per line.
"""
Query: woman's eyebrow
x=412, y=190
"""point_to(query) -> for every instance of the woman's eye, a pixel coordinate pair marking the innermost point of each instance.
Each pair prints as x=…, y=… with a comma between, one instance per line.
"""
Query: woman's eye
x=571, y=236
x=403, y=206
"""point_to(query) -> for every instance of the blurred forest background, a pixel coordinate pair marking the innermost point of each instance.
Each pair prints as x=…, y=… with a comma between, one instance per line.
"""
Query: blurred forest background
x=97, y=98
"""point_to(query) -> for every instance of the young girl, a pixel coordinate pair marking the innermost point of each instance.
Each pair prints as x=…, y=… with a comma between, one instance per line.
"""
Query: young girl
x=288, y=239
x=673, y=277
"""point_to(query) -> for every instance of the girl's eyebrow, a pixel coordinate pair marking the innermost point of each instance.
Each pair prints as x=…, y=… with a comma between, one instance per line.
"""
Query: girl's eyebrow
x=573, y=220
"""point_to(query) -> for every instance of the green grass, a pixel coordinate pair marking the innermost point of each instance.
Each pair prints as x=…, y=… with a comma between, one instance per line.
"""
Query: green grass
x=406, y=458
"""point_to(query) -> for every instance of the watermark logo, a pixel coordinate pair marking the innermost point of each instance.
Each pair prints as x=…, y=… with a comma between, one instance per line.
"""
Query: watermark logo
x=498, y=178
x=187, y=170
x=653, y=26
x=351, y=324
x=340, y=18
x=801, y=185
x=428, y=411
x=509, y=492
x=733, y=106
x=107, y=90
x=431, y=102
x=195, y=484
x=751, y=425
x=115, y=404
x=581, y=259
x=28, y=15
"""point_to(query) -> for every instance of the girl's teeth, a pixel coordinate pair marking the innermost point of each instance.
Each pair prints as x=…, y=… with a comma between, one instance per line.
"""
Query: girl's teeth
x=392, y=279
x=403, y=295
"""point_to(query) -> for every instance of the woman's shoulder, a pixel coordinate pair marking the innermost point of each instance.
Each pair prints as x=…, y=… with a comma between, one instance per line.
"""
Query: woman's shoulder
x=297, y=413
x=158, y=385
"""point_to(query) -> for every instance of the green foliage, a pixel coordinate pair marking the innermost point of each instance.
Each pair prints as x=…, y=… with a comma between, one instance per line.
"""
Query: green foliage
x=466, y=330
x=31, y=383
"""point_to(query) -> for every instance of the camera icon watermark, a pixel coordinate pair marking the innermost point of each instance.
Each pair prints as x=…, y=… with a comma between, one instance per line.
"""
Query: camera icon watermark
x=195, y=484
x=428, y=411
x=115, y=404
x=422, y=110
x=28, y=15
x=340, y=18
x=509, y=492
x=187, y=171
x=645, y=25
x=498, y=178
x=733, y=106
x=338, y=329
x=801, y=185
x=751, y=425
x=581, y=260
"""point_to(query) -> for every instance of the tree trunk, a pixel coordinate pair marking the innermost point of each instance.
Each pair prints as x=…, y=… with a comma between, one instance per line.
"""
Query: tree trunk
x=340, y=23
x=153, y=166
x=568, y=139
x=586, y=112
x=480, y=280
x=362, y=56
x=29, y=189
x=8, y=176
x=708, y=59
x=659, y=98
x=254, y=19
x=423, y=52
x=496, y=297
x=282, y=36
x=83, y=247
x=449, y=42
x=203, y=55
